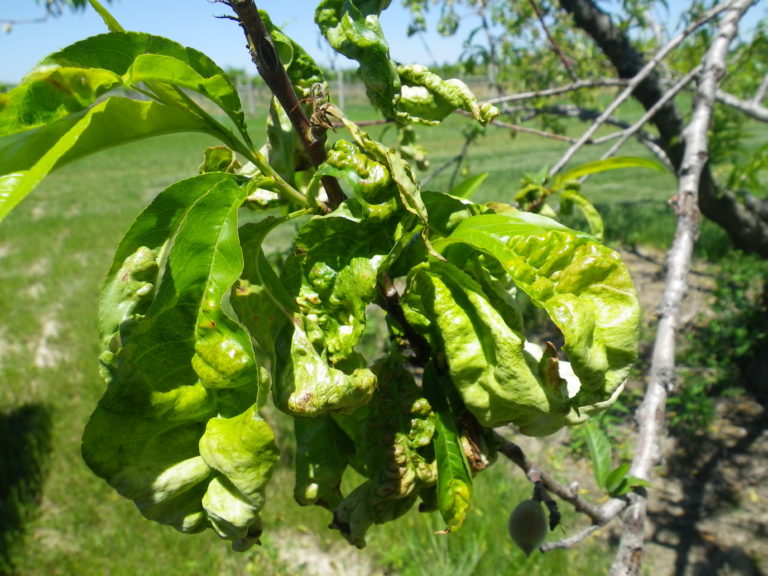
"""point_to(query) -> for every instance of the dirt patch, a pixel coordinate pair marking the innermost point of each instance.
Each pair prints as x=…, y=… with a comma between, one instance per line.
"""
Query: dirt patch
x=302, y=554
x=708, y=507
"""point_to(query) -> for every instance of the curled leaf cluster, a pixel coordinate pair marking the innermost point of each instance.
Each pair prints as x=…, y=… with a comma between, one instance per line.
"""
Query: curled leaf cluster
x=207, y=323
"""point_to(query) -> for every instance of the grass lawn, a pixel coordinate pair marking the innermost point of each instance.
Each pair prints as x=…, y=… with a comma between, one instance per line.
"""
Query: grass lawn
x=56, y=518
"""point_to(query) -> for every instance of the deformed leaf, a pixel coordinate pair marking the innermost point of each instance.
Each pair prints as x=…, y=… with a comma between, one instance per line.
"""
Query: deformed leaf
x=428, y=99
x=584, y=287
x=177, y=430
x=306, y=385
x=499, y=381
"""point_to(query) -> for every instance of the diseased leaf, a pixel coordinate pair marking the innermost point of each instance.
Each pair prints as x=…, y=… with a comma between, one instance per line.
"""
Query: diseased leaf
x=332, y=275
x=175, y=359
x=584, y=287
x=499, y=380
x=260, y=300
x=404, y=93
x=426, y=98
x=393, y=442
x=307, y=385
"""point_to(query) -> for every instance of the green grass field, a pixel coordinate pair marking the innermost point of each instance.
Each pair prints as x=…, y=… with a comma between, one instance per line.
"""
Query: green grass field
x=56, y=518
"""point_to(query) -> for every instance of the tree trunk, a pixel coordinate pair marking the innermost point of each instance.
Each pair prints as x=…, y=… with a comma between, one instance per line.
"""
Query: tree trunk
x=743, y=217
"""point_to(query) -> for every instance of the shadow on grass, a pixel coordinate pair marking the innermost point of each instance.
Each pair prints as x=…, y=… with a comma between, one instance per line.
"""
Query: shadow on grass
x=24, y=462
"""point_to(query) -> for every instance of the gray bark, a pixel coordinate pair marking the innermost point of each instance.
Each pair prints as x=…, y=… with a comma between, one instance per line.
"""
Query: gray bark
x=747, y=228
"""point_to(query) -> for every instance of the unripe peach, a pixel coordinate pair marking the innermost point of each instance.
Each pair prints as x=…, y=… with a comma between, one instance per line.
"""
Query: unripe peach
x=528, y=525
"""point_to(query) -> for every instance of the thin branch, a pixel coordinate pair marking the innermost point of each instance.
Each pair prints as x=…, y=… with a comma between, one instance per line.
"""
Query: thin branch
x=644, y=72
x=587, y=114
x=534, y=131
x=264, y=55
x=761, y=91
x=568, y=494
x=552, y=42
x=580, y=85
x=751, y=108
x=661, y=378
x=571, y=541
x=650, y=113
x=7, y=23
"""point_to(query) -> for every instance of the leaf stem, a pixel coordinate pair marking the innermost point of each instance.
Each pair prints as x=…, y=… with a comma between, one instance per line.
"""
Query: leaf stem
x=228, y=137
x=264, y=55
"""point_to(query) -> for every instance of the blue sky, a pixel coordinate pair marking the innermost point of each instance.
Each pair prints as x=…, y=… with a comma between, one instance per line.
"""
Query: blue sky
x=192, y=23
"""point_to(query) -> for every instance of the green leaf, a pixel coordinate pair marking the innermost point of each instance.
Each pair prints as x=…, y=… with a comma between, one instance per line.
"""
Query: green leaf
x=615, y=163
x=49, y=94
x=617, y=478
x=467, y=187
x=454, y=479
x=600, y=452
x=594, y=220
x=26, y=158
x=143, y=58
x=584, y=287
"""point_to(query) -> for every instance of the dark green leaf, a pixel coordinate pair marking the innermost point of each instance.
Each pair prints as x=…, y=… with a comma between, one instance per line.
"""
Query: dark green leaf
x=323, y=451
x=454, y=479
x=617, y=478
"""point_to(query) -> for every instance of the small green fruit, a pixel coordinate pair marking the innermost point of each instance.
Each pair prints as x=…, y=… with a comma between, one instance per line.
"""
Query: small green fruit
x=528, y=525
